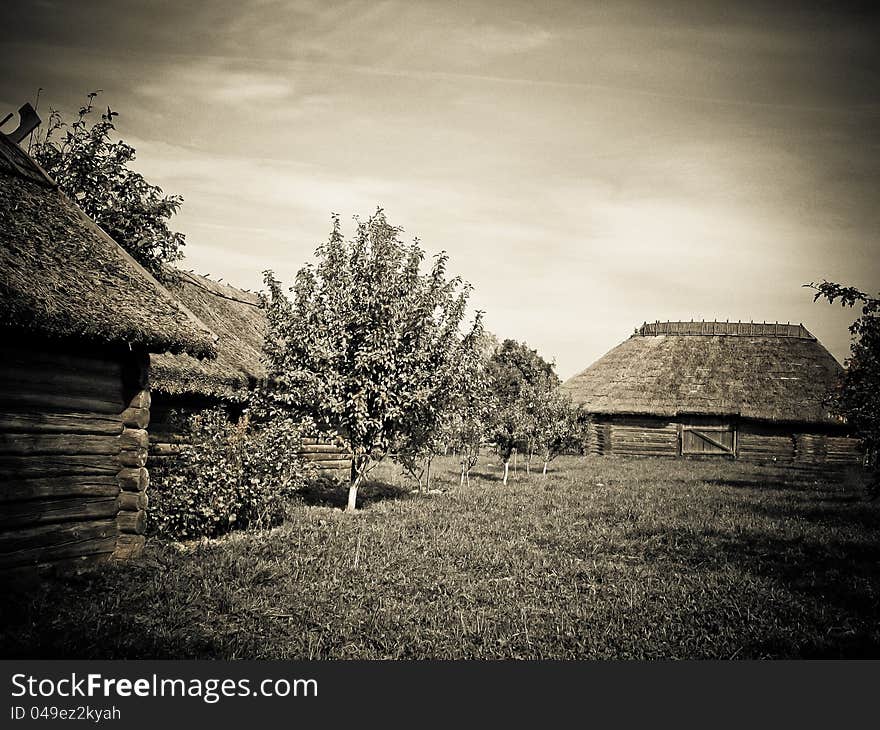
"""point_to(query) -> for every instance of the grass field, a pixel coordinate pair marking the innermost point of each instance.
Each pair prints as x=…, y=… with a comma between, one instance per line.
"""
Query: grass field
x=603, y=559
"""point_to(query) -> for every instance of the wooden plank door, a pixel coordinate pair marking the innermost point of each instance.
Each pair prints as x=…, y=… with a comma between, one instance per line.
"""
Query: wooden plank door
x=708, y=440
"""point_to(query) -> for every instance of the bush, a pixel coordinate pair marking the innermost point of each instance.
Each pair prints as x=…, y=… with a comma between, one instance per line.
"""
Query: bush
x=228, y=476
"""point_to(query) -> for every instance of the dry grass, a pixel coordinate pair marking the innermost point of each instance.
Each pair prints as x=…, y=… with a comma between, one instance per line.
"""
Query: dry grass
x=604, y=559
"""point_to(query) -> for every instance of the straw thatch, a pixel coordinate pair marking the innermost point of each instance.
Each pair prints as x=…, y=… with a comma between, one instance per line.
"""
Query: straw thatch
x=240, y=323
x=765, y=372
x=61, y=276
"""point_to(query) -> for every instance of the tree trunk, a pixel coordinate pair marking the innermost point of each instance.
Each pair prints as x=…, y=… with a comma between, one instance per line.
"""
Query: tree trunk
x=357, y=473
x=506, y=469
x=461, y=482
x=544, y=473
x=428, y=475
x=514, y=464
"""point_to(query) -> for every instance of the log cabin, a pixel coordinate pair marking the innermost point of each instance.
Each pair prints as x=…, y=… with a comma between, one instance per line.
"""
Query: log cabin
x=79, y=319
x=183, y=385
x=737, y=390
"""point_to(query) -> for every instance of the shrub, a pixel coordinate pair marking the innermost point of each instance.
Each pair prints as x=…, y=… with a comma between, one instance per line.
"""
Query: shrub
x=228, y=476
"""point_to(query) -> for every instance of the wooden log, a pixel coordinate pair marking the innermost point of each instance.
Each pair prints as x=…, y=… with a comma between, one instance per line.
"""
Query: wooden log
x=132, y=501
x=332, y=465
x=22, y=400
x=134, y=438
x=133, y=457
x=141, y=399
x=47, y=536
x=46, y=511
x=133, y=480
x=17, y=490
x=312, y=448
x=55, y=360
x=91, y=547
x=68, y=423
x=27, y=467
x=157, y=449
x=136, y=417
x=325, y=457
x=132, y=522
x=96, y=384
x=31, y=444
x=128, y=546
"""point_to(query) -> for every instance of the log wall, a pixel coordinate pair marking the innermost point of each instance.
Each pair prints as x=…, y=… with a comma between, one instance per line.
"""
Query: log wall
x=72, y=440
x=167, y=437
x=633, y=436
x=758, y=442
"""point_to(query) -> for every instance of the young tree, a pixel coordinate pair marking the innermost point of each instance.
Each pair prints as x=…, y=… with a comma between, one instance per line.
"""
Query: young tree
x=519, y=379
x=560, y=427
x=367, y=345
x=93, y=170
x=858, y=398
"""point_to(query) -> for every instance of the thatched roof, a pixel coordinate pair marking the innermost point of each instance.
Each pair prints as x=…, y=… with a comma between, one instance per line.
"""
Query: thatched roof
x=768, y=372
x=61, y=276
x=239, y=322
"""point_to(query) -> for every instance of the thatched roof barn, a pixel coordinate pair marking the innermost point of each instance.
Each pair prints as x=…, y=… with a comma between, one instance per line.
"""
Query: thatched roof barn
x=736, y=389
x=182, y=385
x=238, y=320
x=79, y=317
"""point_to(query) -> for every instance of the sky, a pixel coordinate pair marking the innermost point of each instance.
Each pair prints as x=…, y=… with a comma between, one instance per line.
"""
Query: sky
x=587, y=166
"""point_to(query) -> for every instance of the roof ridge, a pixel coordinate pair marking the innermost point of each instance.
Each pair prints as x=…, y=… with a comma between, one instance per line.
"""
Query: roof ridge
x=710, y=328
x=194, y=279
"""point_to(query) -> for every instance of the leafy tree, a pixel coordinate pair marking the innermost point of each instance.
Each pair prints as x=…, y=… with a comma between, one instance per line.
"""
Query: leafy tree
x=520, y=379
x=858, y=398
x=93, y=170
x=368, y=345
x=560, y=427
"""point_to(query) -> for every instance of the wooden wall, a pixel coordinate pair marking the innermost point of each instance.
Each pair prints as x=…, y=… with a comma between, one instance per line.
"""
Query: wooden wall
x=633, y=436
x=752, y=441
x=72, y=453
x=166, y=436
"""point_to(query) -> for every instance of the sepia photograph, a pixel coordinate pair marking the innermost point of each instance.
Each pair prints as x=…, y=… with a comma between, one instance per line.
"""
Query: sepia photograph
x=423, y=330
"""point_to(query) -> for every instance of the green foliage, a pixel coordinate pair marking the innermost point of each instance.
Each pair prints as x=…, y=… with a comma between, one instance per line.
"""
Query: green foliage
x=520, y=380
x=858, y=399
x=230, y=475
x=368, y=347
x=93, y=170
x=560, y=426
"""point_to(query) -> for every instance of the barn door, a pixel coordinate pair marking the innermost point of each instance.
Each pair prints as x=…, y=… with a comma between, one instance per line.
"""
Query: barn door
x=708, y=439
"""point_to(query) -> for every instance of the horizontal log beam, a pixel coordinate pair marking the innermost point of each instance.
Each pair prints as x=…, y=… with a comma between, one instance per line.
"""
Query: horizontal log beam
x=325, y=457
x=311, y=448
x=68, y=423
x=30, y=444
x=132, y=522
x=133, y=457
x=132, y=501
x=134, y=438
x=48, y=511
x=17, y=490
x=18, y=400
x=133, y=480
x=157, y=449
x=26, y=466
x=92, y=547
x=128, y=546
x=49, y=536
x=32, y=358
x=332, y=465
x=94, y=384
